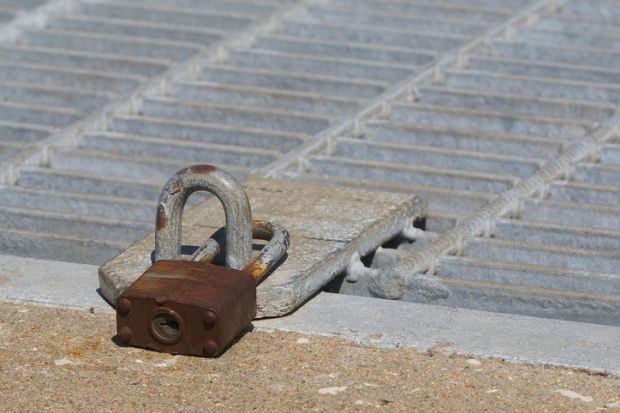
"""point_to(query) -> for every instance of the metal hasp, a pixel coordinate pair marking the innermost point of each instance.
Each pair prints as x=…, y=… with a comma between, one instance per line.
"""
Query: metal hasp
x=328, y=227
x=196, y=307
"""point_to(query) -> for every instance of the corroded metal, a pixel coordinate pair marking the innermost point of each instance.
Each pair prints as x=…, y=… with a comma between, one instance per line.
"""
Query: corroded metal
x=207, y=252
x=271, y=253
x=193, y=307
x=269, y=256
x=230, y=193
x=186, y=307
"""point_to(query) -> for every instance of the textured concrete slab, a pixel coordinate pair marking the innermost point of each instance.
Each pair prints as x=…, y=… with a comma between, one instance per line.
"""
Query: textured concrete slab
x=55, y=359
x=398, y=324
x=327, y=227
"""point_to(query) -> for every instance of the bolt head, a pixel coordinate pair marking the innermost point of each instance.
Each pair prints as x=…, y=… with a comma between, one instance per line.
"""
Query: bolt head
x=160, y=300
x=210, y=318
x=123, y=306
x=210, y=348
x=126, y=334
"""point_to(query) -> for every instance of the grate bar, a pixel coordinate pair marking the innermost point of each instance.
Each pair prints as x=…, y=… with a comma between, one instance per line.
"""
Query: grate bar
x=348, y=50
x=403, y=87
x=263, y=97
x=204, y=132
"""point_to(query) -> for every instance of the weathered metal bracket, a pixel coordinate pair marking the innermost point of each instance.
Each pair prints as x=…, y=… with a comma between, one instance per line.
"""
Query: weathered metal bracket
x=327, y=225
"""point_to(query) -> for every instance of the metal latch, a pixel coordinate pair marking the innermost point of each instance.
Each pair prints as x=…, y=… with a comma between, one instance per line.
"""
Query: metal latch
x=196, y=307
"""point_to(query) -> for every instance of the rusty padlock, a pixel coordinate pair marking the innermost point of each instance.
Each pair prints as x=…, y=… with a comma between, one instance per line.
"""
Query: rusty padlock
x=196, y=307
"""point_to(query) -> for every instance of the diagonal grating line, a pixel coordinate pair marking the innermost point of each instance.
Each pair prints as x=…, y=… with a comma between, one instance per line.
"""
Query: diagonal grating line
x=507, y=203
x=36, y=17
x=322, y=139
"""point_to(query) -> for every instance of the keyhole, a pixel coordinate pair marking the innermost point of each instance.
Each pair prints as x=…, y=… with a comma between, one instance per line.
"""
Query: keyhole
x=165, y=327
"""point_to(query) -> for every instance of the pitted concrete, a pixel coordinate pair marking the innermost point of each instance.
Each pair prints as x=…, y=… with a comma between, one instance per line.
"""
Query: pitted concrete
x=65, y=360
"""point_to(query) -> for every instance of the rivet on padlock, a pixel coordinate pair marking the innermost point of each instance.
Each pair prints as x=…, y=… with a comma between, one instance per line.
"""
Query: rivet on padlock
x=195, y=307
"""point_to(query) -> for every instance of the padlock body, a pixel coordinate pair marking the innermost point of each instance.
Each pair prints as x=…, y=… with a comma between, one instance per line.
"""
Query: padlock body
x=186, y=307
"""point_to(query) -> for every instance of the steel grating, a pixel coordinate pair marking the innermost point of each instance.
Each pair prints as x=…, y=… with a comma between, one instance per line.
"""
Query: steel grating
x=75, y=85
x=11, y=9
x=242, y=104
x=500, y=114
x=515, y=148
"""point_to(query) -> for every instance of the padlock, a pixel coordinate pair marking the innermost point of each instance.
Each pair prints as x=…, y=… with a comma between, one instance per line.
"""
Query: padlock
x=195, y=307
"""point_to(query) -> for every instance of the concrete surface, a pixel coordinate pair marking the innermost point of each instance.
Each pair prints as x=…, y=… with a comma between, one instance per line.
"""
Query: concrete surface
x=49, y=282
x=364, y=320
x=65, y=360
x=488, y=334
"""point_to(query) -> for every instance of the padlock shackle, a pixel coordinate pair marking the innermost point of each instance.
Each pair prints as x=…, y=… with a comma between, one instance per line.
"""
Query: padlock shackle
x=236, y=209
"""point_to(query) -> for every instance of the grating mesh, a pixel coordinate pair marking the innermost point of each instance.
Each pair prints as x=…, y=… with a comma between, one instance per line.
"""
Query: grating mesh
x=242, y=106
x=87, y=201
x=469, y=104
x=469, y=134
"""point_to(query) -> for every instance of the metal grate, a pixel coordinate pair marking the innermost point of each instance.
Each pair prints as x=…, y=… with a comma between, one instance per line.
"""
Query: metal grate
x=59, y=82
x=242, y=105
x=527, y=121
x=500, y=114
x=10, y=9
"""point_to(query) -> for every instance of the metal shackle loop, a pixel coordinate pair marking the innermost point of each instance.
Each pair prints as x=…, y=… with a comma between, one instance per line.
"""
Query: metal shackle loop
x=236, y=209
x=269, y=256
x=271, y=253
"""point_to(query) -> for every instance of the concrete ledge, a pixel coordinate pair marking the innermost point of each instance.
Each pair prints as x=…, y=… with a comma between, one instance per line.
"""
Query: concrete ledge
x=56, y=283
x=362, y=319
x=486, y=334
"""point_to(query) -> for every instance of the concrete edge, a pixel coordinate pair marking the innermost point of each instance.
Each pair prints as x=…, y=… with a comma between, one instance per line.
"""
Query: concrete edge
x=385, y=323
x=45, y=282
x=369, y=321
